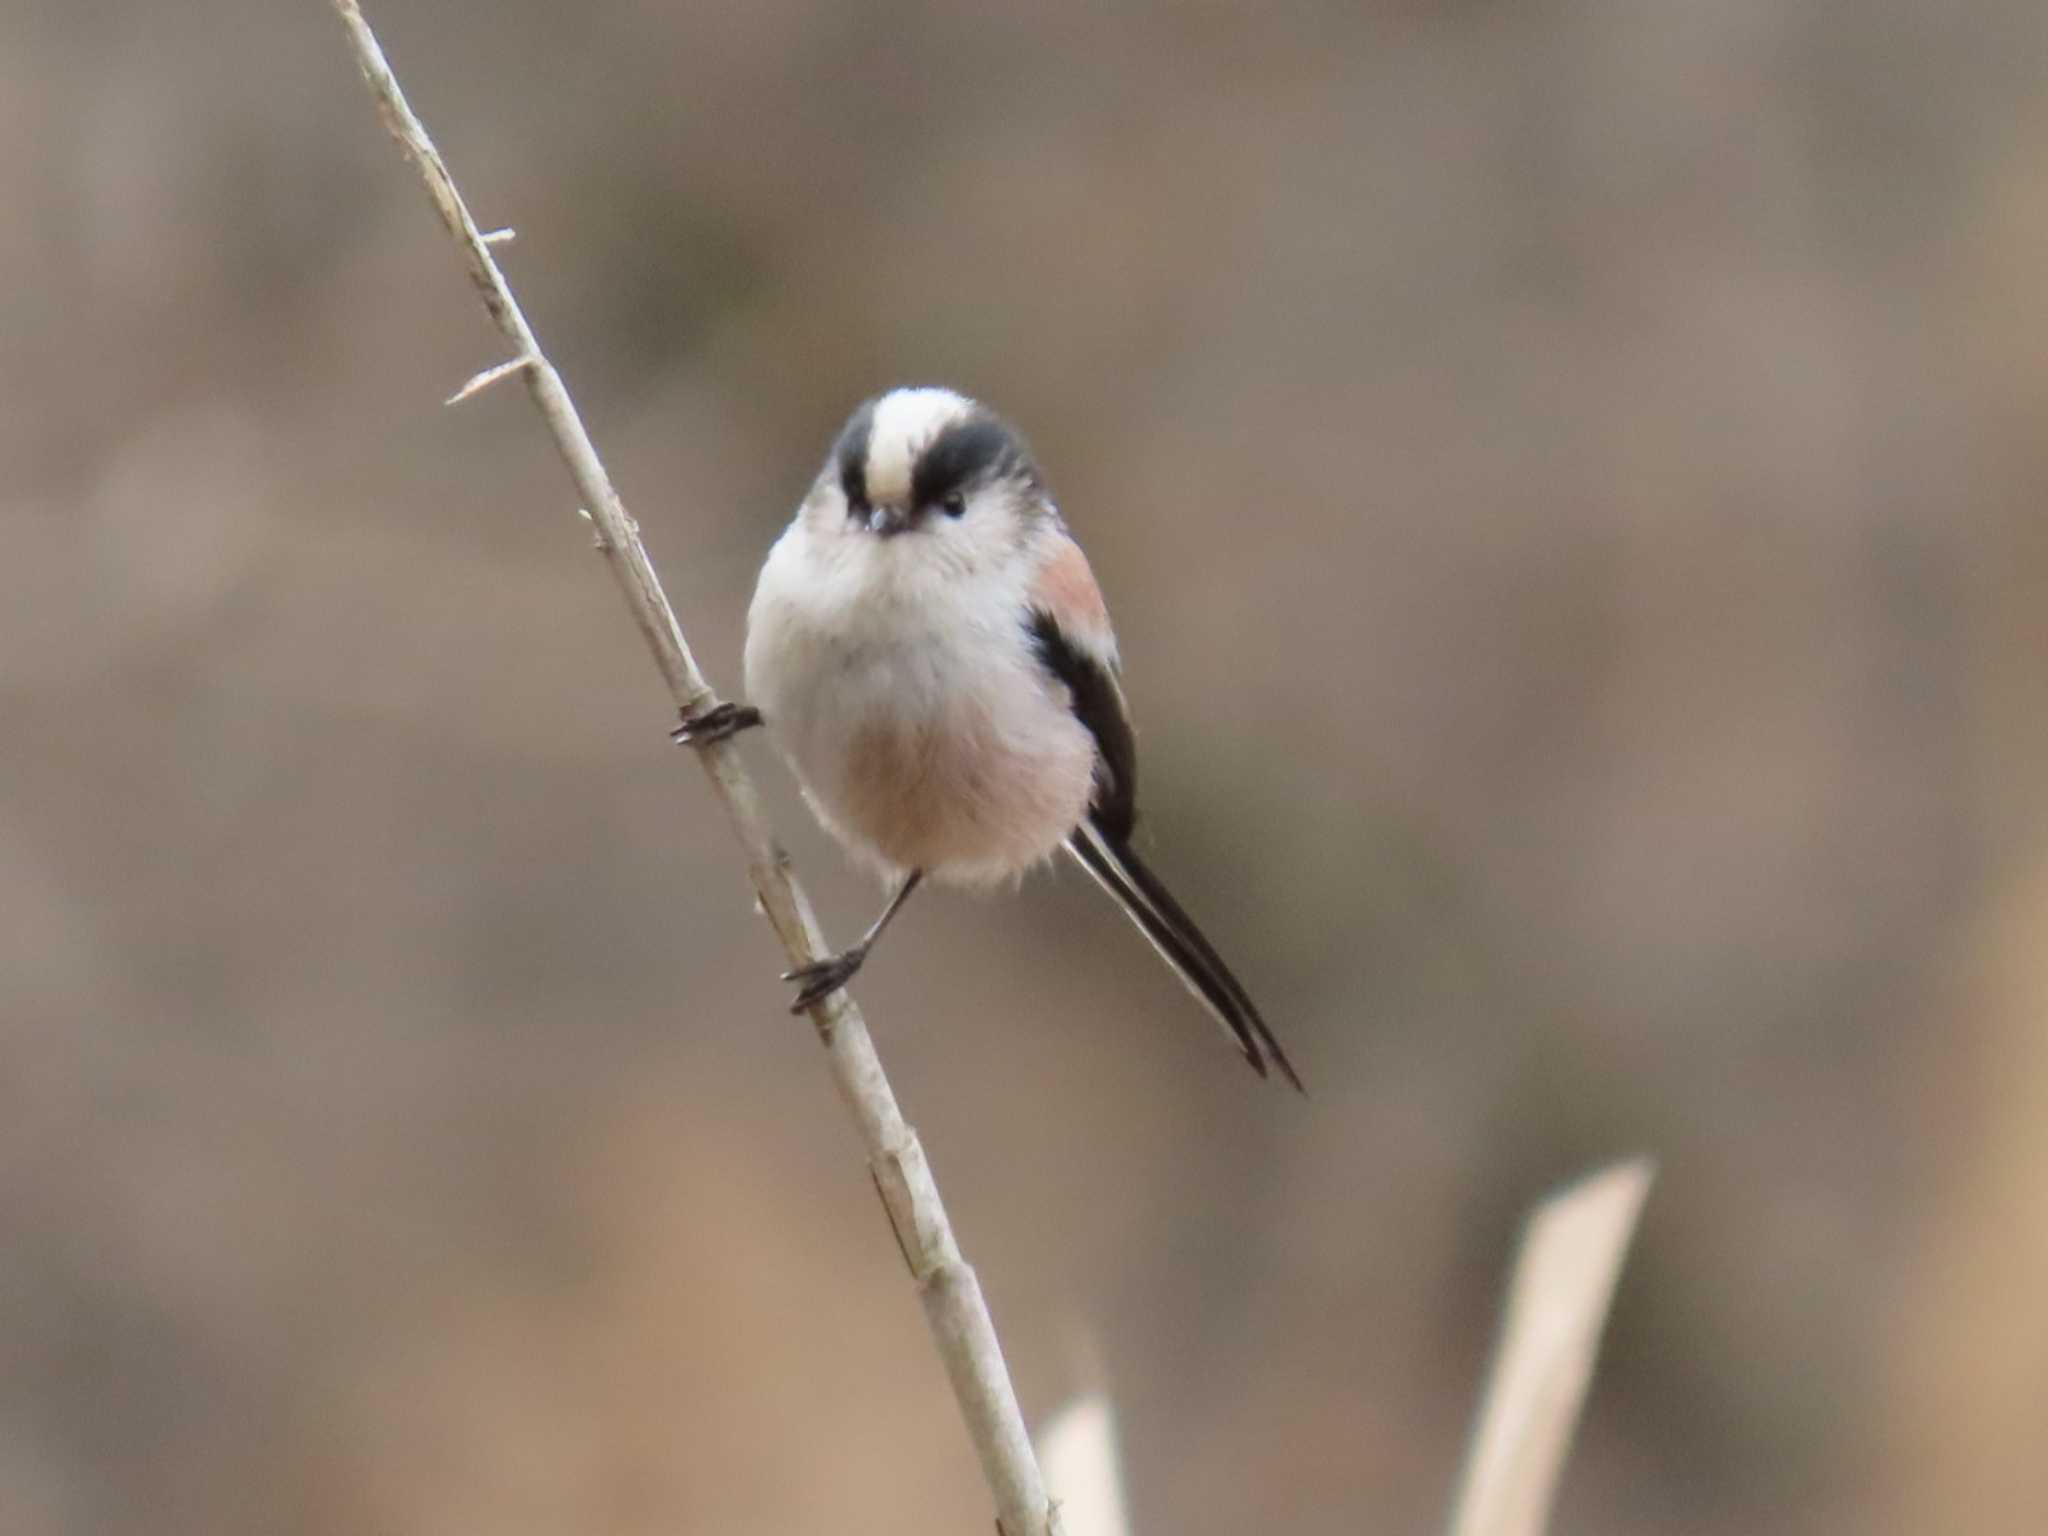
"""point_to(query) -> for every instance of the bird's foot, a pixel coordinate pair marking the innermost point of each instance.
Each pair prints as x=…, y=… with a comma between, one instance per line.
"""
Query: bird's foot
x=821, y=978
x=717, y=723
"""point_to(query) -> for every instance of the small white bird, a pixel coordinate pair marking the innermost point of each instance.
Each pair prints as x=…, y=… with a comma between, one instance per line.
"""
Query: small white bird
x=931, y=653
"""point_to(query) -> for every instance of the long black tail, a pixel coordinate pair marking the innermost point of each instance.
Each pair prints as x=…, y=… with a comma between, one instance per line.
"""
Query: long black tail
x=1173, y=933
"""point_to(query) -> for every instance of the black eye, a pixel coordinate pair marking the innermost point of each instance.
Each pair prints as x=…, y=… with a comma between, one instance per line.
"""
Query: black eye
x=953, y=503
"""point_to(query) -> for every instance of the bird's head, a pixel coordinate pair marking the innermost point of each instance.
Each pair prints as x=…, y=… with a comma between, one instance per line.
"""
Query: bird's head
x=925, y=468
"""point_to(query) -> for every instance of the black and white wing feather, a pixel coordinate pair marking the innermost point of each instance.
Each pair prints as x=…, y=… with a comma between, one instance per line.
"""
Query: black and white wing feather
x=1102, y=845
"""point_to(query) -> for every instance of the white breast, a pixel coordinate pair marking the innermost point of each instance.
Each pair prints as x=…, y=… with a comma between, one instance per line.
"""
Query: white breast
x=911, y=704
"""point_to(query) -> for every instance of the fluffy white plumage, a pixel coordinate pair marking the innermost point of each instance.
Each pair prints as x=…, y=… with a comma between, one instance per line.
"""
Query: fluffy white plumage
x=931, y=652
x=898, y=673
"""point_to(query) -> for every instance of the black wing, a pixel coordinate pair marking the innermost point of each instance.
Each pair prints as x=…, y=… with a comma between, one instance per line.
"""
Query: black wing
x=1102, y=845
x=1099, y=703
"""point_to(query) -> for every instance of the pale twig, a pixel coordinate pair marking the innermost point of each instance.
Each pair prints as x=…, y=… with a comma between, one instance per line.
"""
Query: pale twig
x=1078, y=1448
x=1557, y=1305
x=953, y=1305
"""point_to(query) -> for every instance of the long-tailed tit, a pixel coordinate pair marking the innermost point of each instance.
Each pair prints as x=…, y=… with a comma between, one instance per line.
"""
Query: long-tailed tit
x=931, y=652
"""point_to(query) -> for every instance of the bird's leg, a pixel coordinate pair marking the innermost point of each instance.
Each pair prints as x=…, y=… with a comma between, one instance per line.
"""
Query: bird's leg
x=821, y=978
x=714, y=724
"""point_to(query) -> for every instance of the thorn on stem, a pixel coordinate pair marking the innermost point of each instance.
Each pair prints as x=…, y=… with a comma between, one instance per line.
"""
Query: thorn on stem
x=499, y=237
x=488, y=377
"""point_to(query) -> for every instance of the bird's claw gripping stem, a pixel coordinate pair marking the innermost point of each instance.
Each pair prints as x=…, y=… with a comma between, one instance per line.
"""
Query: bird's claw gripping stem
x=718, y=723
x=821, y=978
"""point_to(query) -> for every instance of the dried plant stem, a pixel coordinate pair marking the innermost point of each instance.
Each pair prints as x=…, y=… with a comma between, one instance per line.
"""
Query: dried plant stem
x=1079, y=1449
x=953, y=1304
x=1557, y=1305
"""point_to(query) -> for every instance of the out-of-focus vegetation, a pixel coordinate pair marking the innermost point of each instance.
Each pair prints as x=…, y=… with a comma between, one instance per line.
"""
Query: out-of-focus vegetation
x=1569, y=477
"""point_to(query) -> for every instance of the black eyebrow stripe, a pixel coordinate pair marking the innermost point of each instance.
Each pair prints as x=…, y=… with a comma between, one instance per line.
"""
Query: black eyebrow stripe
x=968, y=449
x=850, y=453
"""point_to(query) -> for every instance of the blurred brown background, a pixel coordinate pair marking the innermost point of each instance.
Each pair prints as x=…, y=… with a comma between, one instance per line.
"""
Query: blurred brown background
x=1569, y=479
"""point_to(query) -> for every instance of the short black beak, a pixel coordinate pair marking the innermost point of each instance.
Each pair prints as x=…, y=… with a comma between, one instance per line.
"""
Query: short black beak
x=887, y=520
